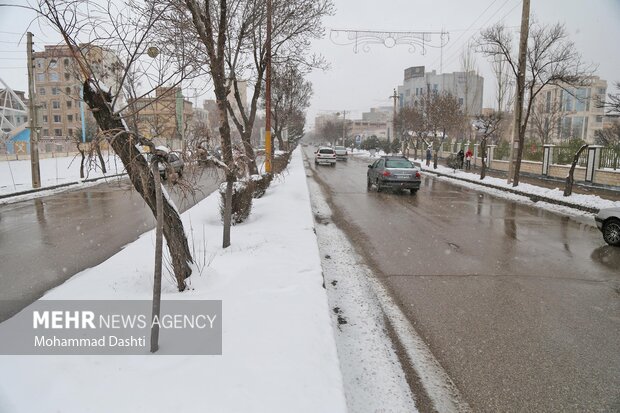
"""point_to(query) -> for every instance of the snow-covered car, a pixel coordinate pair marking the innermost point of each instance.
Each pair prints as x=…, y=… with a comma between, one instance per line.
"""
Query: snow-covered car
x=395, y=172
x=325, y=155
x=341, y=153
x=608, y=221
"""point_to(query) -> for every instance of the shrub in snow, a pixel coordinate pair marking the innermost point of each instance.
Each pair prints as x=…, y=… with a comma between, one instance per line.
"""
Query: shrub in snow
x=241, y=201
x=259, y=184
x=280, y=162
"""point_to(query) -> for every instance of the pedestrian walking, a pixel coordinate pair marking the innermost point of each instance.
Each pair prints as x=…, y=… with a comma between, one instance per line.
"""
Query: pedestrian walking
x=460, y=156
x=468, y=155
x=428, y=156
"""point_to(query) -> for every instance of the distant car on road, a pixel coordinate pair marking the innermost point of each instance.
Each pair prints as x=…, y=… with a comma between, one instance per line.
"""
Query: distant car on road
x=395, y=172
x=608, y=221
x=174, y=162
x=325, y=155
x=341, y=153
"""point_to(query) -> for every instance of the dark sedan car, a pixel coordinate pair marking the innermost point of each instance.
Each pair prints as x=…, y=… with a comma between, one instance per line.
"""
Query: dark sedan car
x=395, y=172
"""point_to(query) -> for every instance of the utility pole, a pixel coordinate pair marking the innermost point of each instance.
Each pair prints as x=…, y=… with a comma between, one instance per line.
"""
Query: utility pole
x=394, y=96
x=344, y=126
x=268, y=93
x=518, y=109
x=33, y=121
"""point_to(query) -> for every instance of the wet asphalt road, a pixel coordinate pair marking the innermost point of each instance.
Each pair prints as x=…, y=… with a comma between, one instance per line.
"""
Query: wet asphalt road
x=45, y=241
x=520, y=306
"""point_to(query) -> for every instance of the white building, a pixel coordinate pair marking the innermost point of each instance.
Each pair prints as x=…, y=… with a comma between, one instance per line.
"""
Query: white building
x=467, y=87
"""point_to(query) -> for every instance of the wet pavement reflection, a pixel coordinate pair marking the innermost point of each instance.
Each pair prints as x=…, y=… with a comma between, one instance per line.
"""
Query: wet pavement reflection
x=45, y=241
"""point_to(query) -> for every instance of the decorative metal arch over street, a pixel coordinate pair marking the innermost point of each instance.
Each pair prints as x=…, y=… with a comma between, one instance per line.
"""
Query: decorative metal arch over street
x=364, y=39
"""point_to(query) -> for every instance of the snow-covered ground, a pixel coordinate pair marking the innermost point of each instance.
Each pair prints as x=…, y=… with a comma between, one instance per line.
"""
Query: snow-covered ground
x=15, y=176
x=279, y=352
x=472, y=180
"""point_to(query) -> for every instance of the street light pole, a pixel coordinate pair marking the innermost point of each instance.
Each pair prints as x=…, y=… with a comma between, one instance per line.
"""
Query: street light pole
x=344, y=126
x=268, y=93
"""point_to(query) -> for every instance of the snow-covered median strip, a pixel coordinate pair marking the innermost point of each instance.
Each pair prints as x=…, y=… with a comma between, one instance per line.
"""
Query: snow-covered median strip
x=279, y=352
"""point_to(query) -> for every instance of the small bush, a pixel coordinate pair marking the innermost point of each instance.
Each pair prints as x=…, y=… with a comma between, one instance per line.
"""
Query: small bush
x=259, y=184
x=280, y=162
x=241, y=201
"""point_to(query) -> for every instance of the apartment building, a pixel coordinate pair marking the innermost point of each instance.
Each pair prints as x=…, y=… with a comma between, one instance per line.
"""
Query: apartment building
x=58, y=83
x=562, y=112
x=167, y=117
x=467, y=87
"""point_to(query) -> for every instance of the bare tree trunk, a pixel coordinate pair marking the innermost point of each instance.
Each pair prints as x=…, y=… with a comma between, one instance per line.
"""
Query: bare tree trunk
x=249, y=152
x=158, y=257
x=97, y=144
x=81, y=151
x=568, y=189
x=139, y=173
x=483, y=150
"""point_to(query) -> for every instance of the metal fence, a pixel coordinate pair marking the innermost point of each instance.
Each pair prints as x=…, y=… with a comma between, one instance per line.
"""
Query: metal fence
x=564, y=155
x=610, y=157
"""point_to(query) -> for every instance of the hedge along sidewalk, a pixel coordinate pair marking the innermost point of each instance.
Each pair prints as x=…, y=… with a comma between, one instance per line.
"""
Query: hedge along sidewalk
x=279, y=349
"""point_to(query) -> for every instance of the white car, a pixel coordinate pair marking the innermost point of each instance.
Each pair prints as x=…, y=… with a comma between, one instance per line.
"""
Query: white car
x=341, y=153
x=325, y=155
x=608, y=221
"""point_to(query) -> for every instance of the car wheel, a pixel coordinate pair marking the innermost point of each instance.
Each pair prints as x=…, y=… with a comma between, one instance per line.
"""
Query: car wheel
x=611, y=232
x=368, y=184
x=379, y=187
x=413, y=191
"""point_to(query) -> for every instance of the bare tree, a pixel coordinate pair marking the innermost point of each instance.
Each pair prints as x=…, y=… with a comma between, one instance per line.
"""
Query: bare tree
x=568, y=188
x=551, y=60
x=487, y=126
x=126, y=31
x=545, y=117
x=612, y=104
x=411, y=125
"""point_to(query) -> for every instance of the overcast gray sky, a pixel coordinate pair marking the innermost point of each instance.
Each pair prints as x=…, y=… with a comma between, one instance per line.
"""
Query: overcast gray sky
x=359, y=81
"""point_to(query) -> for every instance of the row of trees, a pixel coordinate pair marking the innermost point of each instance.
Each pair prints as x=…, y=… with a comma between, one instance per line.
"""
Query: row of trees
x=221, y=42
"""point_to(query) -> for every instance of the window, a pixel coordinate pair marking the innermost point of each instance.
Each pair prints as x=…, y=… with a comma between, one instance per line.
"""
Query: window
x=66, y=62
x=55, y=91
x=53, y=64
x=55, y=104
x=577, y=128
x=398, y=163
x=43, y=105
x=580, y=100
x=70, y=118
x=39, y=63
x=41, y=91
x=57, y=132
x=44, y=118
x=70, y=132
x=548, y=102
x=40, y=77
x=68, y=90
x=57, y=118
x=599, y=119
x=67, y=76
x=46, y=132
x=69, y=104
x=461, y=101
x=54, y=77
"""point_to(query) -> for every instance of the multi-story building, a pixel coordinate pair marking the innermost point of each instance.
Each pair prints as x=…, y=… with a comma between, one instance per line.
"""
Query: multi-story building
x=58, y=83
x=467, y=87
x=563, y=112
x=166, y=118
x=380, y=114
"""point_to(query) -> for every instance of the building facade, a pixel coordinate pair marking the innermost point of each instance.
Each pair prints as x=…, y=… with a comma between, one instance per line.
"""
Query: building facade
x=566, y=112
x=467, y=87
x=58, y=83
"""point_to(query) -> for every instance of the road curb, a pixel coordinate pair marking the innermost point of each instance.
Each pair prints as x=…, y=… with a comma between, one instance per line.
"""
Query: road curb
x=67, y=184
x=532, y=197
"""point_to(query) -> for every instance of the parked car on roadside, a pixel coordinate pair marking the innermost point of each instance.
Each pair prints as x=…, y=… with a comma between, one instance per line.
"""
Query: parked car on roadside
x=608, y=221
x=174, y=163
x=395, y=172
x=341, y=153
x=325, y=155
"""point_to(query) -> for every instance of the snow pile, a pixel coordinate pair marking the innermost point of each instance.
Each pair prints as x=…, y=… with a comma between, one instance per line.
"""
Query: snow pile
x=15, y=176
x=279, y=352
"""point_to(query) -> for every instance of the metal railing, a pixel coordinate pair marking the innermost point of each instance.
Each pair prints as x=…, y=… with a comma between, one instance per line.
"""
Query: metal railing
x=610, y=158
